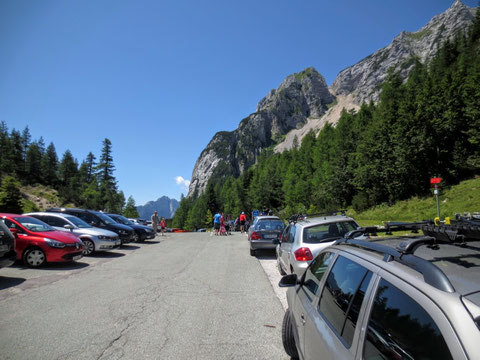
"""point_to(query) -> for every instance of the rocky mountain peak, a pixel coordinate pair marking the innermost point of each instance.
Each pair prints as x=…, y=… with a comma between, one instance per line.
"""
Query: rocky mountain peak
x=363, y=80
x=300, y=96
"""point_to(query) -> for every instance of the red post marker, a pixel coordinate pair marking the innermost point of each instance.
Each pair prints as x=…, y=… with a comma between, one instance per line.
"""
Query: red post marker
x=436, y=180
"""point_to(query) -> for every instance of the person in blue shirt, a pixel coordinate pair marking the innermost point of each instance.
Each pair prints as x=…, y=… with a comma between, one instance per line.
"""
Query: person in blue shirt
x=216, y=222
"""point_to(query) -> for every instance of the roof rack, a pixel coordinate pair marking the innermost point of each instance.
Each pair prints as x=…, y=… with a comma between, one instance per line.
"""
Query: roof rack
x=298, y=217
x=403, y=254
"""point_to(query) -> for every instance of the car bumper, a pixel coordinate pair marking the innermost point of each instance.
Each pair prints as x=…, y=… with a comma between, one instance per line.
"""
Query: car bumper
x=128, y=238
x=8, y=258
x=62, y=255
x=262, y=244
x=104, y=245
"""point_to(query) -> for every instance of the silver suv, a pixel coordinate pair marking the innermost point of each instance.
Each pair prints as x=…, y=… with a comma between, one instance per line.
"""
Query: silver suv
x=93, y=238
x=306, y=236
x=396, y=298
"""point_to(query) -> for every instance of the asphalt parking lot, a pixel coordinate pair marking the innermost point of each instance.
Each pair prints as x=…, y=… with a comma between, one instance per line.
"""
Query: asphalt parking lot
x=182, y=296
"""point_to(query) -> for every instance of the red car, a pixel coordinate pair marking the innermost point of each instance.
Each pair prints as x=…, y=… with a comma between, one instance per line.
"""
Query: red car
x=37, y=242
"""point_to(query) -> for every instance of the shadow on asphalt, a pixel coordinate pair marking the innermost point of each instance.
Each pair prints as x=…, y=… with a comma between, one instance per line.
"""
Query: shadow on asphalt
x=148, y=242
x=105, y=254
x=129, y=247
x=266, y=255
x=68, y=265
x=7, y=282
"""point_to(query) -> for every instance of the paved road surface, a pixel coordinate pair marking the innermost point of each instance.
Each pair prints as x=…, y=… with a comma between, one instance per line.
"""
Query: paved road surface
x=183, y=296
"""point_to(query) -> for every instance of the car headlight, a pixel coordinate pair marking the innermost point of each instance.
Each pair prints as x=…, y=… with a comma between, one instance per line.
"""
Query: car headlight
x=123, y=232
x=54, y=243
x=102, y=237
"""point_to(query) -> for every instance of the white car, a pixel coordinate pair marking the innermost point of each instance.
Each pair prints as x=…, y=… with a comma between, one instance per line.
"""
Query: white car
x=93, y=238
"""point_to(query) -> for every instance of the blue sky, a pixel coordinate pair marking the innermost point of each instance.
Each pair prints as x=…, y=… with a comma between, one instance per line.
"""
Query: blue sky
x=160, y=78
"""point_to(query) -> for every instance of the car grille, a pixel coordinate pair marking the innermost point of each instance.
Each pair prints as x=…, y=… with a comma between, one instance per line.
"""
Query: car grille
x=70, y=256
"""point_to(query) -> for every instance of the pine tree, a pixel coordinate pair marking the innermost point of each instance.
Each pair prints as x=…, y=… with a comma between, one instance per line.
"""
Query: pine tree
x=130, y=210
x=10, y=196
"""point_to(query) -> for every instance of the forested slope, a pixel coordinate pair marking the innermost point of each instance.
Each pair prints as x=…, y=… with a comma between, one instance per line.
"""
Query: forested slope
x=427, y=126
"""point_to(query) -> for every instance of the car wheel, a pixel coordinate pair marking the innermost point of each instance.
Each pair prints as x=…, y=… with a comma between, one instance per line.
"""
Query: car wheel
x=253, y=252
x=88, y=247
x=34, y=257
x=288, y=339
x=279, y=266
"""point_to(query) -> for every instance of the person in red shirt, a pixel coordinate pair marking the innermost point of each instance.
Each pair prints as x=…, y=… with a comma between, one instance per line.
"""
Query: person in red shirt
x=163, y=224
x=242, y=219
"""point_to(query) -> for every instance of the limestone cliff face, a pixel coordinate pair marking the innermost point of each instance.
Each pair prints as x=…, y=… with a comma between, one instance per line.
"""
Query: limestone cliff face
x=299, y=103
x=363, y=80
x=288, y=107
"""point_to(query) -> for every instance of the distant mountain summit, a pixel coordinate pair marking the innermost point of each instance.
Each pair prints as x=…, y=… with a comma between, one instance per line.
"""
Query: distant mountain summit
x=165, y=207
x=299, y=104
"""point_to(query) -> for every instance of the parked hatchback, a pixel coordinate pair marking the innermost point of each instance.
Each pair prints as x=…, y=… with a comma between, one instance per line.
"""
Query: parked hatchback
x=100, y=220
x=37, y=243
x=396, y=298
x=264, y=233
x=93, y=238
x=306, y=236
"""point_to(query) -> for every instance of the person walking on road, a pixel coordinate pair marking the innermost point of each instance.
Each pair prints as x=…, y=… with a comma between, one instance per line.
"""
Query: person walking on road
x=243, y=218
x=155, y=220
x=216, y=222
x=163, y=224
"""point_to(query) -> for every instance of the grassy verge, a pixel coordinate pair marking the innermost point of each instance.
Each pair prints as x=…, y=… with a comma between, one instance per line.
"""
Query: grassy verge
x=461, y=198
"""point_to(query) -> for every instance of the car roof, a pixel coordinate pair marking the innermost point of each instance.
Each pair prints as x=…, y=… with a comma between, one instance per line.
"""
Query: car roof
x=10, y=215
x=308, y=221
x=267, y=217
x=460, y=264
x=58, y=214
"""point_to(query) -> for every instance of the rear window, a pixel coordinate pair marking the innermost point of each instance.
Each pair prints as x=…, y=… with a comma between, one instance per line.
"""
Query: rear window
x=270, y=225
x=327, y=232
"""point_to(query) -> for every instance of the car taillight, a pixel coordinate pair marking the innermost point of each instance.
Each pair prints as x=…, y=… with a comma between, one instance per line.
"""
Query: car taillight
x=255, y=236
x=303, y=254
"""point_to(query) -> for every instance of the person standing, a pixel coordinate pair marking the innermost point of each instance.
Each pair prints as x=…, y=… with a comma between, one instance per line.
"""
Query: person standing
x=163, y=224
x=216, y=222
x=242, y=219
x=155, y=220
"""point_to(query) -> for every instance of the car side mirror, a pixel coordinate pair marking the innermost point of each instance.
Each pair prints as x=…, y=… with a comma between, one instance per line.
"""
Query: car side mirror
x=288, y=280
x=68, y=227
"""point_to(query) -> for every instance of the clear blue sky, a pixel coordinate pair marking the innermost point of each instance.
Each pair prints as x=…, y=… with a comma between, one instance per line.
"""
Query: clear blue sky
x=160, y=78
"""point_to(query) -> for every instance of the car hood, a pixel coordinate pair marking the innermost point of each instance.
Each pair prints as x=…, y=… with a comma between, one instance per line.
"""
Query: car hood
x=61, y=236
x=120, y=227
x=92, y=231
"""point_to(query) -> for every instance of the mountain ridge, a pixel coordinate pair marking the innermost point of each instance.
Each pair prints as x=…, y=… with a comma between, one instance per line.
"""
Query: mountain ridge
x=298, y=106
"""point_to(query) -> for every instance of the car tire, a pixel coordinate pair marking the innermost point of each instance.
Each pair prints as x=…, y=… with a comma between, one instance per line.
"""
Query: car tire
x=88, y=247
x=34, y=257
x=288, y=339
x=253, y=252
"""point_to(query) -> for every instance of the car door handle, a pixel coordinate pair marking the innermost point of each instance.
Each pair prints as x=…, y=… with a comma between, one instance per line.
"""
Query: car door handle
x=302, y=317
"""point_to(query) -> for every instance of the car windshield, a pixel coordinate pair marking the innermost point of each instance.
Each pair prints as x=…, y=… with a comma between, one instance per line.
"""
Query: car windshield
x=327, y=232
x=33, y=224
x=106, y=219
x=122, y=220
x=78, y=222
x=269, y=225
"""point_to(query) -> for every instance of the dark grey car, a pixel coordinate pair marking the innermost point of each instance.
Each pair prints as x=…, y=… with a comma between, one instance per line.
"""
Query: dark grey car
x=265, y=233
x=397, y=298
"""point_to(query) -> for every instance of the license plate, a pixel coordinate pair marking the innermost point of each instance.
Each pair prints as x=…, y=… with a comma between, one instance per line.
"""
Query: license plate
x=270, y=236
x=3, y=247
x=119, y=242
x=77, y=257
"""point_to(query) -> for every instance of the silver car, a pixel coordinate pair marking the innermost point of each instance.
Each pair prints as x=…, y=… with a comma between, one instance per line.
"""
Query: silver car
x=93, y=238
x=395, y=298
x=305, y=237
